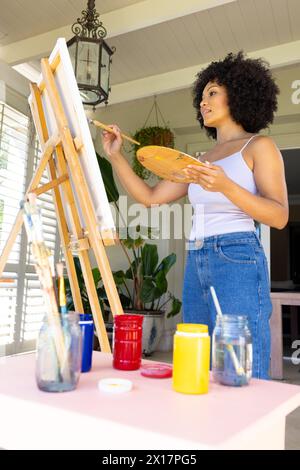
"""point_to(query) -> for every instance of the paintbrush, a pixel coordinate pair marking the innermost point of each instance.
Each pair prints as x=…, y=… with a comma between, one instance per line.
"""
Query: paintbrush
x=40, y=253
x=238, y=368
x=52, y=266
x=61, y=289
x=109, y=129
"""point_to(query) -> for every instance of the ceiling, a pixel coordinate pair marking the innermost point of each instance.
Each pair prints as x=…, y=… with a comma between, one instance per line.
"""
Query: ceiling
x=160, y=44
x=21, y=19
x=197, y=38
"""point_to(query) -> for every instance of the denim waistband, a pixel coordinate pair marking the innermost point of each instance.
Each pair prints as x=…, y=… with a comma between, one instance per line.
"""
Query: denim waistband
x=226, y=239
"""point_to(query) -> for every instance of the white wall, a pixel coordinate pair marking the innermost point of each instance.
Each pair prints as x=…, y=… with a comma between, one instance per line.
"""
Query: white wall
x=16, y=88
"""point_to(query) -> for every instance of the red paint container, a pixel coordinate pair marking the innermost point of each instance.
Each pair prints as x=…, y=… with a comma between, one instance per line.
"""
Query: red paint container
x=127, y=344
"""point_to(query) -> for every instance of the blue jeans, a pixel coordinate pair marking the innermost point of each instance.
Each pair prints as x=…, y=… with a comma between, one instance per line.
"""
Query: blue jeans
x=236, y=265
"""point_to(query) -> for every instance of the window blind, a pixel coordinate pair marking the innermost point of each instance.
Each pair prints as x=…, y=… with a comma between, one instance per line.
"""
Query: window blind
x=33, y=303
x=22, y=305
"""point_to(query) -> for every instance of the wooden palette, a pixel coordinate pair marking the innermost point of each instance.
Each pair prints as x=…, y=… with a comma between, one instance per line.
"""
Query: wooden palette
x=166, y=162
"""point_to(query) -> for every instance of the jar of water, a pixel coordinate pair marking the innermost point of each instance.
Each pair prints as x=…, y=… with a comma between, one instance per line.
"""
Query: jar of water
x=232, y=351
x=58, y=369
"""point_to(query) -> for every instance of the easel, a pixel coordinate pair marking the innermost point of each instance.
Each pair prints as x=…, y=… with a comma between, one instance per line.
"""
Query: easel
x=60, y=153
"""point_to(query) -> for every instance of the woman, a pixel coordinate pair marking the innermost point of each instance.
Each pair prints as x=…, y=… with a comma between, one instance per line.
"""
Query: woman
x=242, y=180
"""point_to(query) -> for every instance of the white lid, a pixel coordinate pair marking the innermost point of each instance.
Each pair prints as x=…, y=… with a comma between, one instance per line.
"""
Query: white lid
x=114, y=385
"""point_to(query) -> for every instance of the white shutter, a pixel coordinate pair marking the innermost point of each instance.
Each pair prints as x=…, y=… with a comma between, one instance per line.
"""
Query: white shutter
x=13, y=167
x=22, y=306
x=8, y=302
x=33, y=304
x=13, y=163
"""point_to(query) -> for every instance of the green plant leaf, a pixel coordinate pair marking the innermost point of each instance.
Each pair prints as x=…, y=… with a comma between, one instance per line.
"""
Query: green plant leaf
x=140, y=235
x=101, y=293
x=132, y=243
x=119, y=277
x=128, y=242
x=128, y=273
x=153, y=233
x=166, y=263
x=78, y=271
x=125, y=301
x=96, y=276
x=149, y=291
x=176, y=306
x=149, y=259
x=161, y=282
x=108, y=179
x=138, y=242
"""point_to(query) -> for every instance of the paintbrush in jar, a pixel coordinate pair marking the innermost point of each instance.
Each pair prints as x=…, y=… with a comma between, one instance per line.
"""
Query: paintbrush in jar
x=61, y=289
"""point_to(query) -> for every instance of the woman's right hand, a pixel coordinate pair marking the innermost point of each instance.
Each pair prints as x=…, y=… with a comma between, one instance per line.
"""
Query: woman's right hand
x=112, y=142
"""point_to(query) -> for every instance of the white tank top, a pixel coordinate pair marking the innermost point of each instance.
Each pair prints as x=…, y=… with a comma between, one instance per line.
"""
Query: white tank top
x=215, y=214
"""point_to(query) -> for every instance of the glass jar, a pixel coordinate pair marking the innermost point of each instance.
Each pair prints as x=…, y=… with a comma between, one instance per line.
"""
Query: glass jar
x=52, y=374
x=232, y=351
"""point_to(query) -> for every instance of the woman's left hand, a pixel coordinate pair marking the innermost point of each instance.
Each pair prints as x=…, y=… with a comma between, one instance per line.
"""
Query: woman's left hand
x=210, y=177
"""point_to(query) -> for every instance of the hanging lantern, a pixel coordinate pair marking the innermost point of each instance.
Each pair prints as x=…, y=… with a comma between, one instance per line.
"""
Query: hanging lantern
x=91, y=57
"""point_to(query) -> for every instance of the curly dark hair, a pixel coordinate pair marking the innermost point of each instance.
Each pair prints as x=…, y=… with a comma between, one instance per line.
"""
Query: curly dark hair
x=251, y=89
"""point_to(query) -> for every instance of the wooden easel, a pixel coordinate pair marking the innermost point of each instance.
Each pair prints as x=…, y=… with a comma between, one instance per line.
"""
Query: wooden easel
x=60, y=153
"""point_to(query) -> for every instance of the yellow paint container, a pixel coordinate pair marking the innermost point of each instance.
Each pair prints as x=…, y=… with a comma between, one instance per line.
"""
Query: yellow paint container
x=191, y=357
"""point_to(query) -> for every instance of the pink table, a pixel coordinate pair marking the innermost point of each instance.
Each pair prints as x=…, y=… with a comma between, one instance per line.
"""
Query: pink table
x=151, y=416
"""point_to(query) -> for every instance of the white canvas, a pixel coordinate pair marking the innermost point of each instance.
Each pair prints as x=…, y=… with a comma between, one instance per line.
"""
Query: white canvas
x=69, y=94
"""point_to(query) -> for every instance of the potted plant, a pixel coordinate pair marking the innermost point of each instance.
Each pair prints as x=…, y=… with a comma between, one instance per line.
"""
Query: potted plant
x=154, y=135
x=143, y=289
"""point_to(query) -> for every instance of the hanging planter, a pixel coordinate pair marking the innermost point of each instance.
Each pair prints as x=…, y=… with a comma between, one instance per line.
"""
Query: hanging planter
x=153, y=135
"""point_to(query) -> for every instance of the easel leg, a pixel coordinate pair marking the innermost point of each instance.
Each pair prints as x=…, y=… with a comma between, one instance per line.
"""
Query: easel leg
x=83, y=256
x=10, y=241
x=65, y=240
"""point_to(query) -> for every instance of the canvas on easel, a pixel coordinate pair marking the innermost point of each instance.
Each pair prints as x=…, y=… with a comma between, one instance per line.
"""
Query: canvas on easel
x=67, y=88
x=83, y=213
